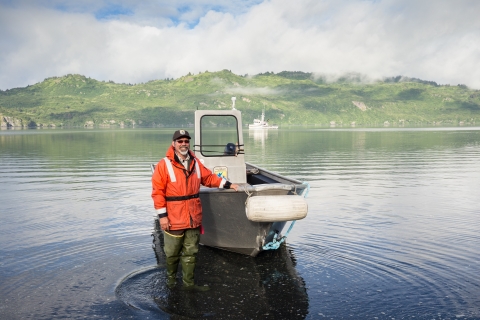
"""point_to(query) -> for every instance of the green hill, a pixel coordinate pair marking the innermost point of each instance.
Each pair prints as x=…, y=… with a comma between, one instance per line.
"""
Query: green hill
x=289, y=98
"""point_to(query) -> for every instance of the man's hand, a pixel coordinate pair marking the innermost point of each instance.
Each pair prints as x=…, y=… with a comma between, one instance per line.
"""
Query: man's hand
x=234, y=186
x=164, y=223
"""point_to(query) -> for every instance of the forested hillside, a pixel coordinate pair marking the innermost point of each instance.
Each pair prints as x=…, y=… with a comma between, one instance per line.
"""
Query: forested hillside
x=289, y=98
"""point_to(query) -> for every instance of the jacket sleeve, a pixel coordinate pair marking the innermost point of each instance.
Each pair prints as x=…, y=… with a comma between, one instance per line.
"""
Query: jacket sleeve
x=209, y=179
x=159, y=183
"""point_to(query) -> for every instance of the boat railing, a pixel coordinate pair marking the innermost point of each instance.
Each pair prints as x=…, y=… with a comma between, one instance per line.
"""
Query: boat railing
x=272, y=186
x=215, y=153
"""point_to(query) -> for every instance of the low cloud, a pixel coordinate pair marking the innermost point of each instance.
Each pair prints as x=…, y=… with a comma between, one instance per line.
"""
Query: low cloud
x=131, y=43
x=253, y=91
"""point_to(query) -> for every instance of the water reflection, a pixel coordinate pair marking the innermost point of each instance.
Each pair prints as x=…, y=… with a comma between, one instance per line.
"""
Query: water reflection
x=260, y=135
x=265, y=287
x=392, y=230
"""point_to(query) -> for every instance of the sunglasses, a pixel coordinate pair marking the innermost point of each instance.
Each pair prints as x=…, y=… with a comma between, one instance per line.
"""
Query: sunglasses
x=183, y=141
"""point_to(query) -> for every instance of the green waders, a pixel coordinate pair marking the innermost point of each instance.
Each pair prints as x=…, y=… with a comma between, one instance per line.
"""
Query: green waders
x=182, y=248
x=189, y=256
x=172, y=247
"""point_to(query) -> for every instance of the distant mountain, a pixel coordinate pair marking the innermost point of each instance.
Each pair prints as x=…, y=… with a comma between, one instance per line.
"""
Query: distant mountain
x=288, y=97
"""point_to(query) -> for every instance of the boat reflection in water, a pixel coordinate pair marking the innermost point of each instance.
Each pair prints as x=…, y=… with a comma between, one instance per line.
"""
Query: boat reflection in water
x=264, y=287
x=260, y=136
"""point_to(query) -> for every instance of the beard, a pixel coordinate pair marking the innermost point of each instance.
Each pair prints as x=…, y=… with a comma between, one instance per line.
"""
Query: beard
x=184, y=152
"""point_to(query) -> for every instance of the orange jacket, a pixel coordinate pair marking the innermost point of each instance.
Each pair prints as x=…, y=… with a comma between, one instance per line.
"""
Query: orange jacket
x=182, y=213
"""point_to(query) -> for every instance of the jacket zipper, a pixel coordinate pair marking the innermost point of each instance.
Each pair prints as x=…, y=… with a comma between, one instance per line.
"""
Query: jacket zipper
x=185, y=172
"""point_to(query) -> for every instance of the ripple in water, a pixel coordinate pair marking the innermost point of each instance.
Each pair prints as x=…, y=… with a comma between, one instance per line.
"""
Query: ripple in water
x=392, y=230
x=242, y=287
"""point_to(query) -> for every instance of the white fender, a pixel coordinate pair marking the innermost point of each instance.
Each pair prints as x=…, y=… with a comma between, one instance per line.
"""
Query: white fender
x=276, y=208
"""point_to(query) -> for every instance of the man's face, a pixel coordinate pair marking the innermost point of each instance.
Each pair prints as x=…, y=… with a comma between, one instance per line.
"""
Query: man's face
x=181, y=145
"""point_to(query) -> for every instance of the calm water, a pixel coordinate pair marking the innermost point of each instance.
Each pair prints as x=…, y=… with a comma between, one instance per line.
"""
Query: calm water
x=393, y=230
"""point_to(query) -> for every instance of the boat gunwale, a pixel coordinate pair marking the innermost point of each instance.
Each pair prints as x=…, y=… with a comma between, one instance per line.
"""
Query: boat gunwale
x=271, y=174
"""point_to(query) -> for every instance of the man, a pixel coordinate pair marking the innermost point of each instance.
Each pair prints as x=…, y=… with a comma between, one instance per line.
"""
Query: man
x=175, y=191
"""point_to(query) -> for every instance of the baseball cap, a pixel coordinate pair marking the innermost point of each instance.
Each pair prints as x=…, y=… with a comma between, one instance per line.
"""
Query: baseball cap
x=180, y=134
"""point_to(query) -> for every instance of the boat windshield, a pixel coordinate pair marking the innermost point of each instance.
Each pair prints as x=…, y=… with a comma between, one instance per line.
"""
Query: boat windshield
x=218, y=135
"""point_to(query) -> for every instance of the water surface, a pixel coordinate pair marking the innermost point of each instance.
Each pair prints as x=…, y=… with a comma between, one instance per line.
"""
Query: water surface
x=392, y=231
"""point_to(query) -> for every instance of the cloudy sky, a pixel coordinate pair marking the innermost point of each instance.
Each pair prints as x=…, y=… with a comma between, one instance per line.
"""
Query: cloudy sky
x=131, y=41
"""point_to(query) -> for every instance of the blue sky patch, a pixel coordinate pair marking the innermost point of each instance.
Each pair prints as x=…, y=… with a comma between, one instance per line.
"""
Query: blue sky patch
x=112, y=11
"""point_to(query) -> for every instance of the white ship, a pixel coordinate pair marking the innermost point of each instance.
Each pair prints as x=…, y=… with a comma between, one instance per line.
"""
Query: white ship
x=261, y=123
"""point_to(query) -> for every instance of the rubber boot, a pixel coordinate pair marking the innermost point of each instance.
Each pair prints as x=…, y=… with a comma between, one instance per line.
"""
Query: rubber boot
x=172, y=247
x=188, y=259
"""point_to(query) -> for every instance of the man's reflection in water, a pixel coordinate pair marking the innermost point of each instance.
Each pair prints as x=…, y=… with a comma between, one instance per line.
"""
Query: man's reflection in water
x=265, y=287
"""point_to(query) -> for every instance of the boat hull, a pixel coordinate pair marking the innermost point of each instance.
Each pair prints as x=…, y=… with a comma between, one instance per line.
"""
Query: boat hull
x=225, y=221
x=261, y=127
x=226, y=225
